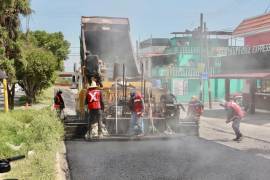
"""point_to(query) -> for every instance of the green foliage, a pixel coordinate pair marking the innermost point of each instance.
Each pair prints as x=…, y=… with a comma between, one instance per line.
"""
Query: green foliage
x=36, y=72
x=32, y=130
x=8, y=67
x=22, y=100
x=53, y=42
x=10, y=12
x=46, y=96
x=15, y=7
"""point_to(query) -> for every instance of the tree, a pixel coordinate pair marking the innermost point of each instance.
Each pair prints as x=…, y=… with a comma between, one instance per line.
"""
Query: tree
x=10, y=11
x=37, y=71
x=53, y=42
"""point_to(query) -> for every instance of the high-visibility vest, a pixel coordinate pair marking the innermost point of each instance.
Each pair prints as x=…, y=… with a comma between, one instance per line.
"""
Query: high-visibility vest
x=196, y=108
x=93, y=99
x=57, y=103
x=138, y=104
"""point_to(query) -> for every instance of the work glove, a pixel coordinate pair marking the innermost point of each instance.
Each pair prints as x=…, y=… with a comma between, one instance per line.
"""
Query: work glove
x=139, y=114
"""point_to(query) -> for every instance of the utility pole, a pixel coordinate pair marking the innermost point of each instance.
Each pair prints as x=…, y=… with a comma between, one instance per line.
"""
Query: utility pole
x=142, y=78
x=201, y=53
x=116, y=109
x=208, y=66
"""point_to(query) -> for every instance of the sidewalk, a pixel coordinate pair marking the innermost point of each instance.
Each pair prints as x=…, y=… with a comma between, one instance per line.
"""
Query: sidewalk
x=255, y=126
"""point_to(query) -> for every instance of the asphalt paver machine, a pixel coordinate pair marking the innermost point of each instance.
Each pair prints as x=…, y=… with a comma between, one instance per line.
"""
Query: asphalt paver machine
x=106, y=48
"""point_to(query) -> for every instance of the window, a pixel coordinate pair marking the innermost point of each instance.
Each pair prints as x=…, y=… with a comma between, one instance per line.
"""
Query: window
x=265, y=86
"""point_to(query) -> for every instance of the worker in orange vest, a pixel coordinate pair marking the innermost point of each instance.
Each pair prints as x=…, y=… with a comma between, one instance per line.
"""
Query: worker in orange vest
x=194, y=112
x=59, y=104
x=195, y=109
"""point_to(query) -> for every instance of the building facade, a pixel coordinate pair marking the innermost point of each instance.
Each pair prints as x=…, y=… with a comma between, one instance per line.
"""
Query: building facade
x=183, y=64
x=250, y=62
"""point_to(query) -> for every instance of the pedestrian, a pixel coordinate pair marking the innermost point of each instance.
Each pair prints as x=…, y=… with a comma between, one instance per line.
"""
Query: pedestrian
x=95, y=107
x=234, y=115
x=59, y=104
x=136, y=106
x=195, y=110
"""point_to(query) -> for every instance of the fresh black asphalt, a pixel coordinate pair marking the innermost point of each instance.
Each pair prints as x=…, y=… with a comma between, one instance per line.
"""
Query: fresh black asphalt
x=186, y=158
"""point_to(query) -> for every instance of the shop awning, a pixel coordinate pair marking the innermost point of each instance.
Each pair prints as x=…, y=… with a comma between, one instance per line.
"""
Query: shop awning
x=253, y=75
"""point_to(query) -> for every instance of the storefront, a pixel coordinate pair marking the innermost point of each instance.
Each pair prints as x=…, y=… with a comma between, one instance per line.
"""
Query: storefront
x=256, y=88
x=250, y=62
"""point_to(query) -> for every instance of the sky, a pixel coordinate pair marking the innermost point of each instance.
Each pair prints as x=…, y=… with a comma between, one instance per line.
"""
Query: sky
x=156, y=18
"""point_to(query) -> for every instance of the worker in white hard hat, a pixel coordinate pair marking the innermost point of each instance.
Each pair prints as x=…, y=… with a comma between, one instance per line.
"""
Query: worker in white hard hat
x=95, y=106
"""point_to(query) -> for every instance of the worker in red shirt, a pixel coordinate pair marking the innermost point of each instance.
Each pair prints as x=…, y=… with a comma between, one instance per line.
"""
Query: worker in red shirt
x=234, y=115
x=136, y=106
x=95, y=106
x=59, y=104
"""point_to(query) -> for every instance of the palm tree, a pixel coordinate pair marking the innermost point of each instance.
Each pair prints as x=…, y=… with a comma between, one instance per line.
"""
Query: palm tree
x=10, y=12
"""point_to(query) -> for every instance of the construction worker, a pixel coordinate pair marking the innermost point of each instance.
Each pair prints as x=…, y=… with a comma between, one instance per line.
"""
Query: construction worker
x=94, y=69
x=168, y=98
x=170, y=110
x=169, y=103
x=195, y=110
x=136, y=106
x=234, y=115
x=59, y=104
x=95, y=106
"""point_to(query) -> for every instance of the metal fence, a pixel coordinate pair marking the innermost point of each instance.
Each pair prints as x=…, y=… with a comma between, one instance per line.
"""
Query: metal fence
x=183, y=72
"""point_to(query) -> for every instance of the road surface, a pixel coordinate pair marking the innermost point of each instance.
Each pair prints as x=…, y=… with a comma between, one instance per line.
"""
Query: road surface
x=187, y=158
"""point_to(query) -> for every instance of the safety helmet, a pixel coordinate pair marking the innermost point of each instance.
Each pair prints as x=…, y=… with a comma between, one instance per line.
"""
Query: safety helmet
x=93, y=85
x=194, y=98
x=132, y=93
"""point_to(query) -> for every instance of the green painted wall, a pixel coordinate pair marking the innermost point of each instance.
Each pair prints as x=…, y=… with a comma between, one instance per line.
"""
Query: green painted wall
x=217, y=88
x=193, y=85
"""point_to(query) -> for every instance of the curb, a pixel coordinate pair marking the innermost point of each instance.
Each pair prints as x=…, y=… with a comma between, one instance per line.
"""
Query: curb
x=62, y=169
